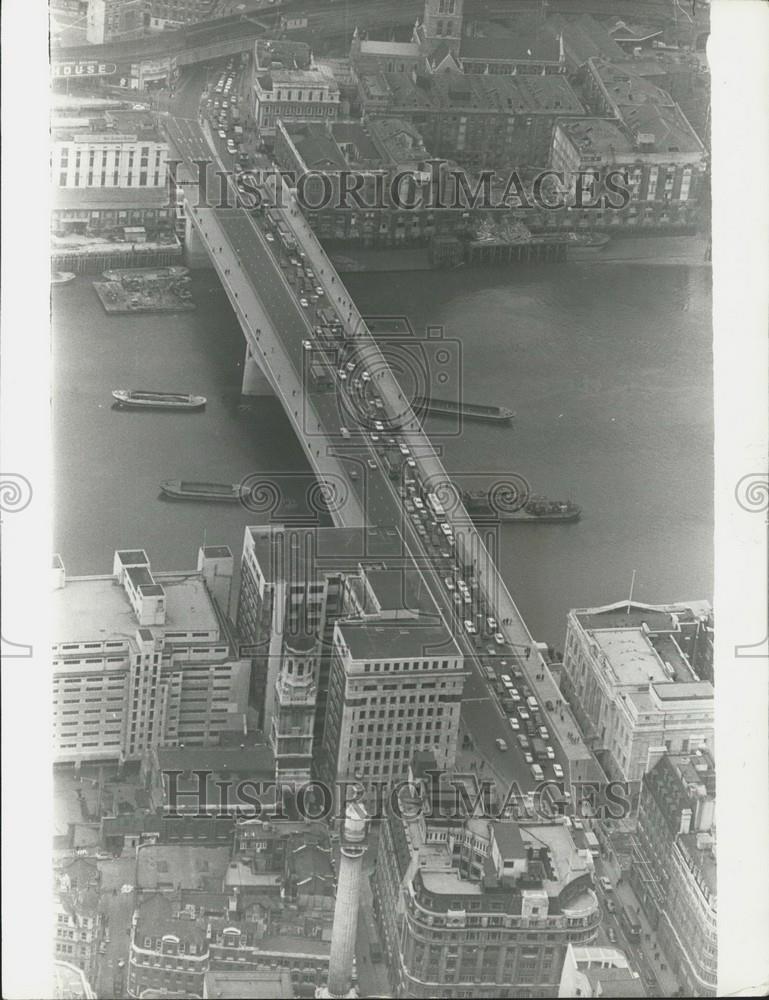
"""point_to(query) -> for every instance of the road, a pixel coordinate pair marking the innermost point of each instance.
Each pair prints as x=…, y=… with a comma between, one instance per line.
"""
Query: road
x=260, y=260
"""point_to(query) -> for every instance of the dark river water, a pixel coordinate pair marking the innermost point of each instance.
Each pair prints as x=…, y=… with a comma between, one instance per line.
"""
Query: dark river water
x=608, y=368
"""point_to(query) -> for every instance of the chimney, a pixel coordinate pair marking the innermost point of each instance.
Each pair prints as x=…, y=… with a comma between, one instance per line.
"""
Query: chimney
x=215, y=564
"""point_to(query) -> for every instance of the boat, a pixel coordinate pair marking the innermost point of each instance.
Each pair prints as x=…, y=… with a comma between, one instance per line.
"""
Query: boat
x=62, y=277
x=158, y=400
x=537, y=509
x=473, y=411
x=179, y=489
x=586, y=244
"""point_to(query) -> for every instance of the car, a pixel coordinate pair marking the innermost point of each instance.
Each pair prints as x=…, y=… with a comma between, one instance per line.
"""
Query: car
x=514, y=694
x=457, y=599
x=537, y=773
x=350, y=366
x=577, y=824
x=319, y=290
x=528, y=758
x=309, y=272
x=523, y=740
x=550, y=753
x=379, y=426
x=342, y=375
x=126, y=889
x=470, y=628
x=344, y=432
x=558, y=771
x=304, y=303
x=375, y=438
x=514, y=724
x=421, y=531
x=501, y=744
x=269, y=237
x=449, y=583
x=448, y=531
x=307, y=345
x=499, y=639
x=523, y=715
x=506, y=680
x=411, y=464
x=225, y=104
x=491, y=624
x=543, y=732
x=222, y=134
x=419, y=504
x=606, y=883
x=611, y=906
x=612, y=934
x=103, y=948
x=365, y=376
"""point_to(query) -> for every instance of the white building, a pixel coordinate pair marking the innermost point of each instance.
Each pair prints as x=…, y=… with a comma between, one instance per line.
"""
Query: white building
x=144, y=659
x=634, y=675
x=116, y=149
x=598, y=972
x=293, y=95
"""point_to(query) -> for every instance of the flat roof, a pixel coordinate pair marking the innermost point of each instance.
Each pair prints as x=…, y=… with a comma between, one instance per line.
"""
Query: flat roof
x=97, y=607
x=398, y=639
x=123, y=198
x=298, y=554
x=631, y=656
x=181, y=866
x=404, y=49
x=233, y=985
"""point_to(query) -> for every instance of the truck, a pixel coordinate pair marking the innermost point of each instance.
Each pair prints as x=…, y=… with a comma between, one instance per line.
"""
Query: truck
x=539, y=748
x=436, y=506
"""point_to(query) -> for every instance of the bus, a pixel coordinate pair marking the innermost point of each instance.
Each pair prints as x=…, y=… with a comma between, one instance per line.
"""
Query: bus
x=436, y=506
x=631, y=924
x=285, y=237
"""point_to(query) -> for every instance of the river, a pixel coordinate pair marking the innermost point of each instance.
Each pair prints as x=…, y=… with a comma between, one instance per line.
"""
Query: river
x=607, y=366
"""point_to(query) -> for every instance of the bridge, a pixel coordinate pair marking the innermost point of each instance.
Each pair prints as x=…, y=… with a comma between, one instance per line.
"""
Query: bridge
x=282, y=337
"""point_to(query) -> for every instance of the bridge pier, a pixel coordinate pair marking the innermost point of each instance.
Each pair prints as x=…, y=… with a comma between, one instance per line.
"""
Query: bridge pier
x=195, y=252
x=255, y=382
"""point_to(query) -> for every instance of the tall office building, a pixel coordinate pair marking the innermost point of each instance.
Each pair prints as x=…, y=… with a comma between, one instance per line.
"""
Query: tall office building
x=395, y=688
x=674, y=864
x=143, y=659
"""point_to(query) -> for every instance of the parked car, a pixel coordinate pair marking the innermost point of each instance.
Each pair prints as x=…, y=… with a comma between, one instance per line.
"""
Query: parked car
x=558, y=771
x=501, y=745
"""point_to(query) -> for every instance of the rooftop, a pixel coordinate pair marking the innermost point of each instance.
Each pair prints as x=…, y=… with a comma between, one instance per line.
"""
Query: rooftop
x=397, y=639
x=597, y=136
x=90, y=608
x=703, y=860
x=584, y=38
x=107, y=126
x=168, y=867
x=157, y=916
x=232, y=985
x=527, y=40
x=255, y=761
x=403, y=50
x=521, y=94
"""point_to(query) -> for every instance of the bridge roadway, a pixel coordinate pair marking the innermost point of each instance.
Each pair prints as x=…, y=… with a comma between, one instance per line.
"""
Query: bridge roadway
x=242, y=256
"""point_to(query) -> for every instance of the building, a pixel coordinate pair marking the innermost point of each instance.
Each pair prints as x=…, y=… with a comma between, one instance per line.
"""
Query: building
x=524, y=48
x=395, y=688
x=144, y=659
x=633, y=674
x=168, y=952
x=598, y=972
x=70, y=983
x=163, y=14
x=263, y=904
x=109, y=172
x=114, y=20
x=391, y=205
x=77, y=924
x=297, y=582
x=441, y=27
x=116, y=149
x=479, y=120
x=674, y=864
x=292, y=95
x=475, y=907
x=280, y=53
x=582, y=38
x=371, y=56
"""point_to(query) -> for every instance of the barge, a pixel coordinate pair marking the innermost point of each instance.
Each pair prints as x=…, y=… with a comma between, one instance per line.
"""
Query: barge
x=472, y=411
x=140, y=399
x=536, y=510
x=179, y=489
